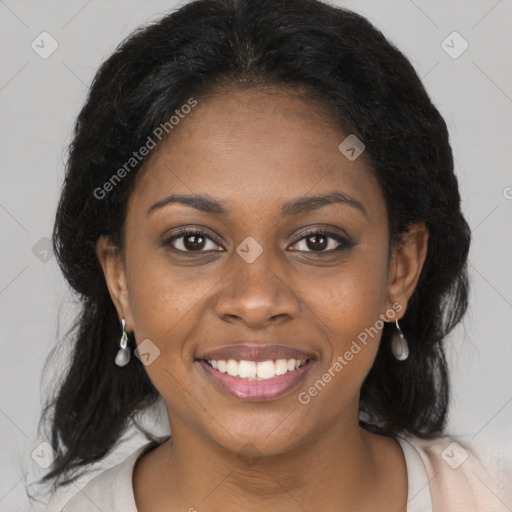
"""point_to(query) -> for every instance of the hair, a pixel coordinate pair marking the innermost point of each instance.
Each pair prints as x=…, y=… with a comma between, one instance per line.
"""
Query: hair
x=340, y=62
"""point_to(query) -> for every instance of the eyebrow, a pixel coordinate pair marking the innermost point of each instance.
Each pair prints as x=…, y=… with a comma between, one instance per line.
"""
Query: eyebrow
x=294, y=207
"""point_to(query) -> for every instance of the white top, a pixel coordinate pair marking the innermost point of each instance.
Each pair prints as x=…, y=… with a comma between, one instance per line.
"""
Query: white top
x=112, y=489
x=418, y=493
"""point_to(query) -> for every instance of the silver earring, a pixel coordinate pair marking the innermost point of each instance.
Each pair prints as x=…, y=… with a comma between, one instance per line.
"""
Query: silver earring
x=123, y=354
x=399, y=345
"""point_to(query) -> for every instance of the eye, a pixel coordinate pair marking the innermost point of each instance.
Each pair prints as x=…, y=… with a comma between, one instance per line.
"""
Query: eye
x=315, y=240
x=191, y=240
x=322, y=241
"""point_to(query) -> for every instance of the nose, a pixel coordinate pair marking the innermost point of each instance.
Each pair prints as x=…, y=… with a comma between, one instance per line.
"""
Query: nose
x=257, y=294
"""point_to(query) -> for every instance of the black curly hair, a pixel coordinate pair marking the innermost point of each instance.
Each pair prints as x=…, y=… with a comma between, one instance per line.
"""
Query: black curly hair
x=340, y=61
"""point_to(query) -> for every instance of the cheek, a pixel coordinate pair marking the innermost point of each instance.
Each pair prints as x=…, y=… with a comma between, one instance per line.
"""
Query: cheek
x=165, y=304
x=353, y=296
x=353, y=331
x=161, y=294
x=165, y=310
x=349, y=305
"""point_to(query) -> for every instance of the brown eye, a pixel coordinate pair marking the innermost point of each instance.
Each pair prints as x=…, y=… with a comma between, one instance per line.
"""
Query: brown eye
x=322, y=242
x=191, y=241
x=317, y=242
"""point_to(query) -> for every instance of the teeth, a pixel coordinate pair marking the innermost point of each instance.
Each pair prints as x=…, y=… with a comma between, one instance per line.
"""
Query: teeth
x=253, y=370
x=233, y=368
x=281, y=366
x=266, y=369
x=247, y=369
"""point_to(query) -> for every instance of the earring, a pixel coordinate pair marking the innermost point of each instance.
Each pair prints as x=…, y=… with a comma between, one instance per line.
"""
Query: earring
x=399, y=345
x=123, y=354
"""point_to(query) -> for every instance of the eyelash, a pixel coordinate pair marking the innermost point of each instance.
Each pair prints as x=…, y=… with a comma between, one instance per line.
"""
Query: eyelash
x=183, y=233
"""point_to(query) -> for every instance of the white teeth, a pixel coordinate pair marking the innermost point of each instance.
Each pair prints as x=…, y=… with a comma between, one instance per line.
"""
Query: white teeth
x=253, y=370
x=247, y=369
x=232, y=368
x=266, y=369
x=281, y=366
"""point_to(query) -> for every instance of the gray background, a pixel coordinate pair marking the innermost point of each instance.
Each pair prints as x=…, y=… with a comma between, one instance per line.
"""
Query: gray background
x=40, y=99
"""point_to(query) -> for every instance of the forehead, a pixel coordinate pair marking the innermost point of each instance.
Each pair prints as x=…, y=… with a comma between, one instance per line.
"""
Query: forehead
x=252, y=150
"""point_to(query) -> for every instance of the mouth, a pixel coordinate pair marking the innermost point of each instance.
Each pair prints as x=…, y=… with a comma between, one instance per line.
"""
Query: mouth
x=256, y=380
x=256, y=370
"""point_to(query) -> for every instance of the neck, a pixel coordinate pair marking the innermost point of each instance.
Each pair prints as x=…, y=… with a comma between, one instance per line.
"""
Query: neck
x=339, y=468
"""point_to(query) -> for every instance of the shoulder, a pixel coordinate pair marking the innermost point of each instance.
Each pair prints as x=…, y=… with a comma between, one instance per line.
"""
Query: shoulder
x=461, y=477
x=111, y=489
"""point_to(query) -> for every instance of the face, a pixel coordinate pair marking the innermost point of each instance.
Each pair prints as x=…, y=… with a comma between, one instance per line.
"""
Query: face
x=265, y=267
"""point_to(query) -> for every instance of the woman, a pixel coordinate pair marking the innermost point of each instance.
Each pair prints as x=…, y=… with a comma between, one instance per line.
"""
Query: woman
x=261, y=218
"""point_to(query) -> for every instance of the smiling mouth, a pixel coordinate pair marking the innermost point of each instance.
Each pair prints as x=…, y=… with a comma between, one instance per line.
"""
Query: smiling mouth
x=253, y=370
x=251, y=380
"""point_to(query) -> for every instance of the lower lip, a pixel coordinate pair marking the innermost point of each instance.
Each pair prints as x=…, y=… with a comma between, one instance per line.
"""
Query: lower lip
x=245, y=389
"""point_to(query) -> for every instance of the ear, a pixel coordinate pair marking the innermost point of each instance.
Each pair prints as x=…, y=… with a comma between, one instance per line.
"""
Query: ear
x=405, y=265
x=111, y=262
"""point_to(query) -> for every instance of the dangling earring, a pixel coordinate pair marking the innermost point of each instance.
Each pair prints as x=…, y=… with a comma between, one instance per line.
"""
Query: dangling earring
x=399, y=345
x=123, y=354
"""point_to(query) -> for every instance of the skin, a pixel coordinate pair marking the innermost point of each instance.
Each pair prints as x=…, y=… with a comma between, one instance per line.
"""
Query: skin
x=307, y=456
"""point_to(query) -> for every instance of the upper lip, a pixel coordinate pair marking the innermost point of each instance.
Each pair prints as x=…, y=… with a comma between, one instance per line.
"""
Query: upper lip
x=256, y=352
